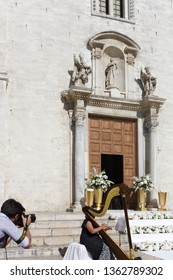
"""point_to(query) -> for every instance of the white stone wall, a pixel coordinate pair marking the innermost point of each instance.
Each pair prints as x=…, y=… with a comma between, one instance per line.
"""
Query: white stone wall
x=37, y=42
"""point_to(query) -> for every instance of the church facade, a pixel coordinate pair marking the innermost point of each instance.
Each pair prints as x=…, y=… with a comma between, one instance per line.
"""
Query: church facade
x=83, y=85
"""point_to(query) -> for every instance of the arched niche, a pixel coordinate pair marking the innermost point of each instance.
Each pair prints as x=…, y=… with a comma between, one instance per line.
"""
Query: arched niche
x=123, y=50
x=112, y=52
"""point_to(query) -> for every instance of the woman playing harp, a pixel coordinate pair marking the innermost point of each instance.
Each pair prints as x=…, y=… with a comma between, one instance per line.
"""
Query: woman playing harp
x=116, y=190
x=93, y=241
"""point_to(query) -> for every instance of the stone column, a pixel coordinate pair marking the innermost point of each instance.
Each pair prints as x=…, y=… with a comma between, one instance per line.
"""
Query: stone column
x=126, y=9
x=140, y=148
x=97, y=76
x=79, y=115
x=111, y=9
x=151, y=124
x=131, y=54
x=151, y=106
x=76, y=99
x=153, y=148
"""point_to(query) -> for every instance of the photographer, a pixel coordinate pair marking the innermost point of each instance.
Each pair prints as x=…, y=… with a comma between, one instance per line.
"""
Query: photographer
x=12, y=218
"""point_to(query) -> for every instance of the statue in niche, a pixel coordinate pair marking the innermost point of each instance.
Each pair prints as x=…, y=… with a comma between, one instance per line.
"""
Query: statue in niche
x=110, y=73
x=81, y=71
x=148, y=81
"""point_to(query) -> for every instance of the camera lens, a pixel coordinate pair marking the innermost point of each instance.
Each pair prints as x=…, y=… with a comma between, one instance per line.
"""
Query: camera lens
x=33, y=217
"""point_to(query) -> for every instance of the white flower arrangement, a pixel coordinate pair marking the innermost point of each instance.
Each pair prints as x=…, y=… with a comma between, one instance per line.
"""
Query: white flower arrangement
x=151, y=229
x=154, y=246
x=148, y=215
x=151, y=215
x=144, y=182
x=98, y=180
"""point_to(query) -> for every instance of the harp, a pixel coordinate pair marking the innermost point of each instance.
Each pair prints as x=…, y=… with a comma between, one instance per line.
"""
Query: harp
x=115, y=190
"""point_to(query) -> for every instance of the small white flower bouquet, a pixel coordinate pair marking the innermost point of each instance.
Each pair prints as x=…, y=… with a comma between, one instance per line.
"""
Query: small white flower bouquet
x=143, y=182
x=98, y=180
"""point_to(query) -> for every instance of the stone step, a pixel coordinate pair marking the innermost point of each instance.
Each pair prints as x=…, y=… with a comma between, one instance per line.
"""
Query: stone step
x=58, y=224
x=54, y=241
x=58, y=240
x=64, y=216
x=41, y=252
x=37, y=232
x=64, y=239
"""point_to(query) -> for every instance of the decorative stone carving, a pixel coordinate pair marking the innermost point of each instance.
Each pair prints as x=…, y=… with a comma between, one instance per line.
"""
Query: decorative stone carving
x=81, y=71
x=131, y=55
x=150, y=124
x=130, y=59
x=96, y=53
x=148, y=81
x=79, y=116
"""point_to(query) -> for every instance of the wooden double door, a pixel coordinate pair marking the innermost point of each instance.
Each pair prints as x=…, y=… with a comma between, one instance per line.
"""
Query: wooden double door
x=113, y=148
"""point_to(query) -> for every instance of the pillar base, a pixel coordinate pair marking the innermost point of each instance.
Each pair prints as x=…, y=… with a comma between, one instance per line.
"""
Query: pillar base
x=114, y=91
x=77, y=207
x=152, y=204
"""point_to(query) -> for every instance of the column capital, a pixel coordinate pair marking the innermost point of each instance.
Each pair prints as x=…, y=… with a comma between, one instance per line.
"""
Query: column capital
x=150, y=123
x=97, y=48
x=79, y=116
x=96, y=54
x=131, y=53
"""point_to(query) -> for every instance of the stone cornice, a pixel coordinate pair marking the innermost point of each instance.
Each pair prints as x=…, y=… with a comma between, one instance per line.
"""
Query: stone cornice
x=96, y=44
x=126, y=104
x=83, y=93
x=77, y=93
x=114, y=103
x=131, y=50
x=155, y=102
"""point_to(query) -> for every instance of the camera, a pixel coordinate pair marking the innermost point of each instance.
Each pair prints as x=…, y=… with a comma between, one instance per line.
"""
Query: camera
x=19, y=221
x=33, y=217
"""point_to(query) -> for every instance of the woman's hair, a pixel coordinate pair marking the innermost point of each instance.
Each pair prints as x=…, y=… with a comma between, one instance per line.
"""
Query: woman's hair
x=11, y=208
